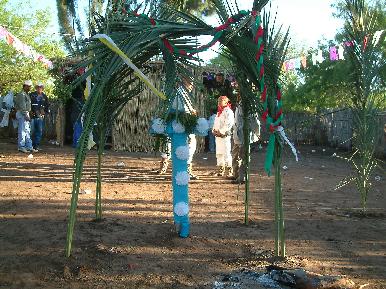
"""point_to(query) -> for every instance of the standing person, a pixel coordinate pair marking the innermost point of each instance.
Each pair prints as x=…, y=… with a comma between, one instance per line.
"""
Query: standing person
x=217, y=87
x=238, y=150
x=39, y=108
x=23, y=108
x=222, y=129
x=165, y=157
x=181, y=103
x=211, y=137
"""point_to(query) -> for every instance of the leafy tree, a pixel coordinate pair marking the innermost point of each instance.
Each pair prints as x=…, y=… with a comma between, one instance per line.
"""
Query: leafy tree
x=221, y=61
x=326, y=84
x=318, y=86
x=69, y=14
x=30, y=29
x=366, y=62
x=197, y=7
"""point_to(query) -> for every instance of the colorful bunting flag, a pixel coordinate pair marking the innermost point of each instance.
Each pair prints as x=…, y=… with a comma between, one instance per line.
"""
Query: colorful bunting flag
x=333, y=53
x=303, y=60
x=317, y=58
x=336, y=53
x=341, y=52
x=297, y=63
x=23, y=48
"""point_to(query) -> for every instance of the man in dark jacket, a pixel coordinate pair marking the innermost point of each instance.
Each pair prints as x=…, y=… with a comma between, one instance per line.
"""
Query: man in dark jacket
x=39, y=108
x=218, y=87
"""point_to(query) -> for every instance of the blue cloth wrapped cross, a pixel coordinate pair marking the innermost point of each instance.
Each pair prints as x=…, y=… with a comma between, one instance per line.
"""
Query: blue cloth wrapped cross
x=180, y=154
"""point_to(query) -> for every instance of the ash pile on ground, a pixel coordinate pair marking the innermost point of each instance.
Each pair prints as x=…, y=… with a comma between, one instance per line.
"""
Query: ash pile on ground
x=275, y=277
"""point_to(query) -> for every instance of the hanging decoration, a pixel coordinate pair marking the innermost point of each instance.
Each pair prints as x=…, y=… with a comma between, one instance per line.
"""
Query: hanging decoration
x=335, y=53
x=272, y=123
x=218, y=33
x=341, y=52
x=23, y=48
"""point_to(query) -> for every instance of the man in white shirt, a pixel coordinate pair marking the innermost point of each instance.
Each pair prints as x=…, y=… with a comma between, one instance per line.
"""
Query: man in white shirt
x=238, y=150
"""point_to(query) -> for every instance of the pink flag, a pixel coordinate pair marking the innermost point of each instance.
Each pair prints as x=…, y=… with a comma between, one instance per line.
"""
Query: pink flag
x=3, y=32
x=9, y=38
x=291, y=64
x=333, y=53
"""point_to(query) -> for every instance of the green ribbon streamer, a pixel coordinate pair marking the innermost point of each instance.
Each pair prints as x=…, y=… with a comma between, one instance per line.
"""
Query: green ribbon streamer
x=262, y=83
x=265, y=104
x=257, y=21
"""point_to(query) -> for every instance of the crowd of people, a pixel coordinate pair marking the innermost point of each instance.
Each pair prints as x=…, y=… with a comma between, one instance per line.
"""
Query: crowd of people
x=28, y=111
x=226, y=119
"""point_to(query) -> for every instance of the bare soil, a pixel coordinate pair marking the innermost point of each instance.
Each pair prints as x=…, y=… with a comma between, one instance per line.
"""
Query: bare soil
x=135, y=245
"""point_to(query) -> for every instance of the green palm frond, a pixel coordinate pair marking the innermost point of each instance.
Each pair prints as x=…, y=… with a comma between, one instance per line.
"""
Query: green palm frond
x=258, y=5
x=276, y=45
x=137, y=36
x=366, y=61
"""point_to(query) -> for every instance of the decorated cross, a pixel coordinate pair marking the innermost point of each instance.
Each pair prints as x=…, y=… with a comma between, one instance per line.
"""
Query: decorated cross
x=142, y=37
x=176, y=126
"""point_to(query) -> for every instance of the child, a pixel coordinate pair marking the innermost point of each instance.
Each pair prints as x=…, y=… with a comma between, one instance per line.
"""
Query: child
x=222, y=130
x=182, y=103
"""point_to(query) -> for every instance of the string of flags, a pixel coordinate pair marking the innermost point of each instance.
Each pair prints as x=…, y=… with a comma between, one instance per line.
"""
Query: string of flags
x=335, y=53
x=23, y=48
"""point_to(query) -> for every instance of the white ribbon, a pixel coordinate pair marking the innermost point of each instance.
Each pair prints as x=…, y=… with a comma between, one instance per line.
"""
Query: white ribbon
x=280, y=129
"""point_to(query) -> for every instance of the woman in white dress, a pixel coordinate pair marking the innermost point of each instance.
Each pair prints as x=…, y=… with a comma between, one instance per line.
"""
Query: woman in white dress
x=222, y=130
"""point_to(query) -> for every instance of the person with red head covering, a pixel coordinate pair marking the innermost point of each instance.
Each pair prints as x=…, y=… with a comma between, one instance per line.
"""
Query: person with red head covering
x=222, y=130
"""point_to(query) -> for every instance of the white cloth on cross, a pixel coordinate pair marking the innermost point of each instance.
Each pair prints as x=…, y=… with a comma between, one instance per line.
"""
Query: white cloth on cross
x=181, y=101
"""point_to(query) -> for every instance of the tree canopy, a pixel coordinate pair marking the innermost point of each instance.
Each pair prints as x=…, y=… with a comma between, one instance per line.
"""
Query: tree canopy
x=70, y=23
x=326, y=84
x=31, y=30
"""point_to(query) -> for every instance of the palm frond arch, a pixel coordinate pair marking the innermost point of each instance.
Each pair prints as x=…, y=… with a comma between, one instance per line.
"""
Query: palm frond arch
x=169, y=32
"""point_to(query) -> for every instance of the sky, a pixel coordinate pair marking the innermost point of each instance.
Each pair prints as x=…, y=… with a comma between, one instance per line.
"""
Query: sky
x=309, y=20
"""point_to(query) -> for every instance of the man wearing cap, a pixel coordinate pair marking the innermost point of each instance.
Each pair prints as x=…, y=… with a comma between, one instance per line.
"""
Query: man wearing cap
x=39, y=108
x=23, y=106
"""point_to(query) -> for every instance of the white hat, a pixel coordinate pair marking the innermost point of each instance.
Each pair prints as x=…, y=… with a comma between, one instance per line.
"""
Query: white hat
x=28, y=82
x=40, y=84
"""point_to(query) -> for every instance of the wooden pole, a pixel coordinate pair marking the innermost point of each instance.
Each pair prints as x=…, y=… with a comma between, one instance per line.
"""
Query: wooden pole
x=279, y=213
x=98, y=191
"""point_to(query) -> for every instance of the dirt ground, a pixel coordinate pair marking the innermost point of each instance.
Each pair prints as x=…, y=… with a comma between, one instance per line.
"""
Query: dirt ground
x=135, y=245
